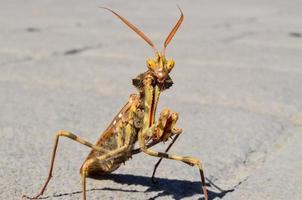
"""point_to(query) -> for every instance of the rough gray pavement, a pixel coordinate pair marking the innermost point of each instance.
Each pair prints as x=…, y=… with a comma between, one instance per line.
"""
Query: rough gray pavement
x=238, y=76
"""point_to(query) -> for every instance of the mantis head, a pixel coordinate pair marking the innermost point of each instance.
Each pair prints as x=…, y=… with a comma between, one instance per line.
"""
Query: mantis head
x=159, y=66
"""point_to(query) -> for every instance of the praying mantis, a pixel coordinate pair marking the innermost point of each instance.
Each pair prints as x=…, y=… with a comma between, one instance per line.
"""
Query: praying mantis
x=135, y=123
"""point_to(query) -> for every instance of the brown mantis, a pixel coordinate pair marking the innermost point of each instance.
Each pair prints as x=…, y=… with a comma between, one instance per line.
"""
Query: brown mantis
x=134, y=123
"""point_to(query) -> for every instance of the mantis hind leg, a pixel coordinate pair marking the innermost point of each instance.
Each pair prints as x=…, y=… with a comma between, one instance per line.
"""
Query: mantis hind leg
x=70, y=136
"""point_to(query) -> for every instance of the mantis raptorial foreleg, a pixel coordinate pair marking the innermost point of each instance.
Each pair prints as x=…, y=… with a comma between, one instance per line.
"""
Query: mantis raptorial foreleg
x=70, y=136
x=166, y=128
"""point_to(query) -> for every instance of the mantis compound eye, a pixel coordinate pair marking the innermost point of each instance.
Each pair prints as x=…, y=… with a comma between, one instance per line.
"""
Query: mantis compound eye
x=170, y=65
x=151, y=64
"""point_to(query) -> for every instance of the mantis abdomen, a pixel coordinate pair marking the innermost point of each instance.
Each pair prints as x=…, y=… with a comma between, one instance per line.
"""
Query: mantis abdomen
x=121, y=132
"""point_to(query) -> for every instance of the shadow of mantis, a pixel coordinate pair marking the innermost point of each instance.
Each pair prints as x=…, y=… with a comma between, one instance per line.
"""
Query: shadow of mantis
x=175, y=189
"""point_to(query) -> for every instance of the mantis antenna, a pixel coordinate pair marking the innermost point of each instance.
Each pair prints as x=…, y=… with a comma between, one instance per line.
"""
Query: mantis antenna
x=142, y=35
x=174, y=30
x=134, y=28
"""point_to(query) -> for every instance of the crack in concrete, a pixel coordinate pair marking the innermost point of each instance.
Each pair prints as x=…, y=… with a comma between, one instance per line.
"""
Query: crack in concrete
x=249, y=165
x=282, y=137
x=239, y=183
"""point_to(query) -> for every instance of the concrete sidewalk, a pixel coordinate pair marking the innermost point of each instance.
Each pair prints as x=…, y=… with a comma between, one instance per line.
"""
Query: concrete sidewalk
x=68, y=65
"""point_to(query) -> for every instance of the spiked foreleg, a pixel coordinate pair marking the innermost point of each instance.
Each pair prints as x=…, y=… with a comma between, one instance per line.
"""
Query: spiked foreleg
x=164, y=130
x=165, y=127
